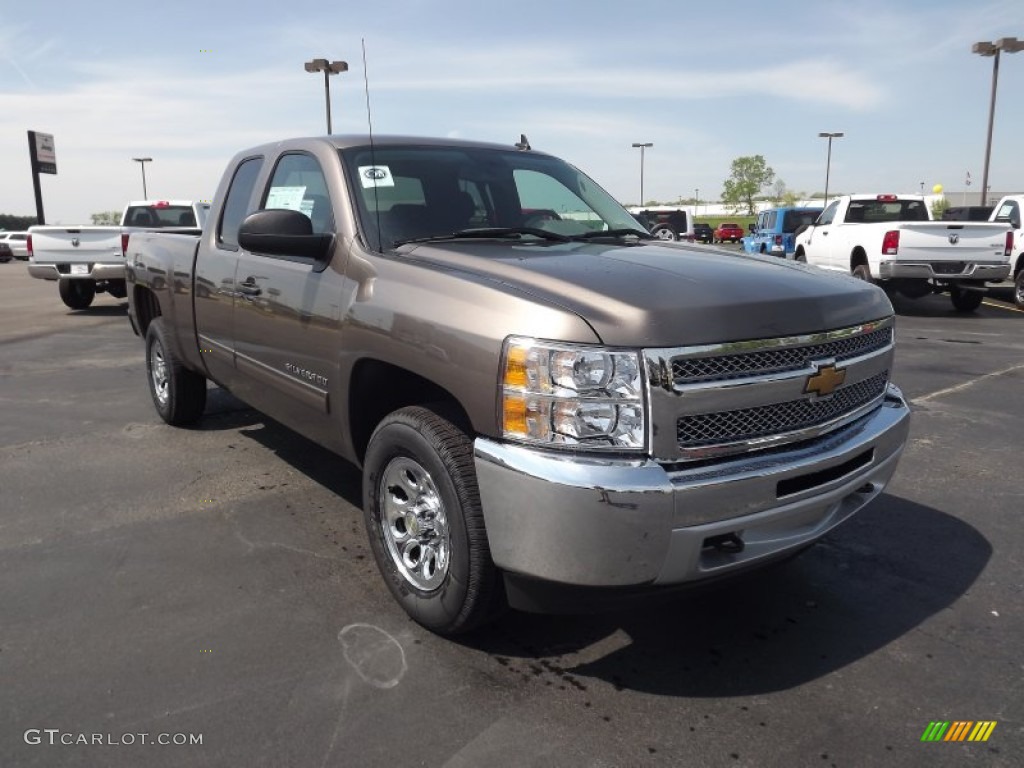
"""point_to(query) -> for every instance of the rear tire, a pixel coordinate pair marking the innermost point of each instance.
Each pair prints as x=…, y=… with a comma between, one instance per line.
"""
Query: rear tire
x=800, y=256
x=663, y=232
x=1018, y=289
x=863, y=272
x=423, y=517
x=179, y=394
x=77, y=294
x=966, y=301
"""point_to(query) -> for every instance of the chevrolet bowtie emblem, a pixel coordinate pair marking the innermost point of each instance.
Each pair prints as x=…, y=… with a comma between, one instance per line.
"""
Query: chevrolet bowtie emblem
x=825, y=381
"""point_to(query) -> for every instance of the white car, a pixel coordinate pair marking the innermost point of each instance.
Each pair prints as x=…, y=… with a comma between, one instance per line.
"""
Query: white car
x=18, y=243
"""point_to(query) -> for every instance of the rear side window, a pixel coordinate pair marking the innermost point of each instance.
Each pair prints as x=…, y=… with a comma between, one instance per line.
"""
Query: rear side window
x=236, y=205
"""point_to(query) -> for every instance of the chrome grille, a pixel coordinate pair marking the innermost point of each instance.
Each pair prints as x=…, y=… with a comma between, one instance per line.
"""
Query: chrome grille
x=688, y=370
x=696, y=430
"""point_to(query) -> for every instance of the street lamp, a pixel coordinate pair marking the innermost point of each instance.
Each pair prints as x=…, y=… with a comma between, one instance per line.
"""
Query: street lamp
x=1006, y=45
x=142, y=162
x=642, y=148
x=828, y=162
x=696, y=202
x=328, y=68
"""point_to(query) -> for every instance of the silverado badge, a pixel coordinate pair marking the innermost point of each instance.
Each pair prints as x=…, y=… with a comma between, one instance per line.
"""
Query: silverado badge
x=825, y=380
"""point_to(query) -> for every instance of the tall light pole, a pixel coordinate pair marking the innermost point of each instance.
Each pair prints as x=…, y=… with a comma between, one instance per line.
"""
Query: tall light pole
x=696, y=202
x=828, y=162
x=1006, y=45
x=142, y=162
x=328, y=68
x=642, y=148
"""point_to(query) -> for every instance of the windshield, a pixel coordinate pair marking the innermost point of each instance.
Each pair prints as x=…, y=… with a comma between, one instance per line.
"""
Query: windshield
x=411, y=192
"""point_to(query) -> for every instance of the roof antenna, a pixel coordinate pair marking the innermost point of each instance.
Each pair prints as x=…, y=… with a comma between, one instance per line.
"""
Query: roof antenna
x=523, y=143
x=373, y=154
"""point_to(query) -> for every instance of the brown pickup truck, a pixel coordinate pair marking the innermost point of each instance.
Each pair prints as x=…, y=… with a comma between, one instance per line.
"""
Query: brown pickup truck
x=546, y=403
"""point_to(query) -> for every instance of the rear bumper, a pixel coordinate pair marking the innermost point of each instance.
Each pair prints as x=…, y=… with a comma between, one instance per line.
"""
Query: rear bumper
x=971, y=270
x=623, y=523
x=62, y=270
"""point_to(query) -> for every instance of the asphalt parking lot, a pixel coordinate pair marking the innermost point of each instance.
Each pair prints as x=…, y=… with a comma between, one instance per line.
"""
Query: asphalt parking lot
x=217, y=582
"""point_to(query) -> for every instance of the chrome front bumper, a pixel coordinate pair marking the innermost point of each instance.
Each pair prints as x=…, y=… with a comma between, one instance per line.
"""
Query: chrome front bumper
x=972, y=270
x=63, y=271
x=611, y=523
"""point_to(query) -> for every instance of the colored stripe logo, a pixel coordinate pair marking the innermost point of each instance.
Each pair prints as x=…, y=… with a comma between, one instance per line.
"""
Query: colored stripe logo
x=958, y=730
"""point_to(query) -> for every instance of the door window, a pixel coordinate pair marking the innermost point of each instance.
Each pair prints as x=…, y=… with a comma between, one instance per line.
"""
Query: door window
x=298, y=184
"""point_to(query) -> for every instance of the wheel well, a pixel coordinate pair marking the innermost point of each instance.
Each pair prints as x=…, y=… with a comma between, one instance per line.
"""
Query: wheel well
x=858, y=258
x=378, y=389
x=146, y=307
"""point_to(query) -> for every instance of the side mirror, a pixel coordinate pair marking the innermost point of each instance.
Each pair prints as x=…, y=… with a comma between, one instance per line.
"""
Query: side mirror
x=284, y=232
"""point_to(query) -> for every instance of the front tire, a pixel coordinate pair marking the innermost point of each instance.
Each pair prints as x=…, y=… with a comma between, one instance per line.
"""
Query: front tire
x=77, y=294
x=966, y=301
x=424, y=520
x=178, y=393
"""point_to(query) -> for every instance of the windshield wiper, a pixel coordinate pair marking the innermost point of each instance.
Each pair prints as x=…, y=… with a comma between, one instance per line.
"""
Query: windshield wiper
x=624, y=232
x=488, y=233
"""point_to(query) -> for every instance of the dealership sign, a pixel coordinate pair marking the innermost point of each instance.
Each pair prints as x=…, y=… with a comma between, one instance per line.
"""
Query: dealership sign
x=44, y=156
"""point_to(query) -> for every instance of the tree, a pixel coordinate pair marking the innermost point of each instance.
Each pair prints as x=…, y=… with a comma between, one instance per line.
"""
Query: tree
x=105, y=217
x=750, y=175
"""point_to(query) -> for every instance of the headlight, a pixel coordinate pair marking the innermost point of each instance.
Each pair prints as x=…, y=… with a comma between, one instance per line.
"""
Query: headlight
x=566, y=395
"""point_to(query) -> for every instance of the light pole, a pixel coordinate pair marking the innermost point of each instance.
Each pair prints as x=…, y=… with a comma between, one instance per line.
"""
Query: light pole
x=328, y=68
x=642, y=148
x=142, y=162
x=828, y=162
x=696, y=202
x=1007, y=45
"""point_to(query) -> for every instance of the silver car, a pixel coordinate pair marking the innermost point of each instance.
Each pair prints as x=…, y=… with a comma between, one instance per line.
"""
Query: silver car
x=18, y=242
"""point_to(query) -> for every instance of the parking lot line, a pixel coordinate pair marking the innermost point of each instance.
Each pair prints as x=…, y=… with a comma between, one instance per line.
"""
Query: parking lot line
x=958, y=387
x=1001, y=306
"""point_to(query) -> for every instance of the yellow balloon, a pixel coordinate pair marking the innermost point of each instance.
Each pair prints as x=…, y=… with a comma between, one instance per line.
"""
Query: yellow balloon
x=937, y=189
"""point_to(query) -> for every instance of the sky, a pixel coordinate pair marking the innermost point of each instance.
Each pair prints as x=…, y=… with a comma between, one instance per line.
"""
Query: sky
x=190, y=84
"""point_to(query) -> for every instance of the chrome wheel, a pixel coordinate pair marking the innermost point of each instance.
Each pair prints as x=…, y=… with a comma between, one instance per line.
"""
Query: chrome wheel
x=158, y=373
x=664, y=233
x=414, y=524
x=1018, y=289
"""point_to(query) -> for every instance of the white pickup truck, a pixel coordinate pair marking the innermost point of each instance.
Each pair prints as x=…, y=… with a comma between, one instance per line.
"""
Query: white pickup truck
x=90, y=260
x=892, y=240
x=1008, y=214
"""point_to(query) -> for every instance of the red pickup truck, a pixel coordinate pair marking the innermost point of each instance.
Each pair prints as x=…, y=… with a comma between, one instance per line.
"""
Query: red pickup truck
x=731, y=232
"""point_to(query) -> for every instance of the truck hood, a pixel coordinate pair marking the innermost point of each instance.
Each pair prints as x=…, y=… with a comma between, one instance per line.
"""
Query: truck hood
x=664, y=295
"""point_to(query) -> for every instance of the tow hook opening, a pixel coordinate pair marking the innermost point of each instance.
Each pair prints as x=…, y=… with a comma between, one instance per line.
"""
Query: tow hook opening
x=729, y=543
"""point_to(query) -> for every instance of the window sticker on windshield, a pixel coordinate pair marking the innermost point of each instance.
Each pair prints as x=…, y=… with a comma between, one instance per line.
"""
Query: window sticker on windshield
x=376, y=176
x=286, y=197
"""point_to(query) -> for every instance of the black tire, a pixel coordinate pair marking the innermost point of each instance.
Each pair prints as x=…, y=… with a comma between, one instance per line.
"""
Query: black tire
x=179, y=394
x=1018, y=289
x=966, y=301
x=663, y=232
x=77, y=294
x=862, y=272
x=800, y=256
x=413, y=451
